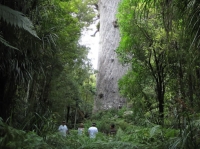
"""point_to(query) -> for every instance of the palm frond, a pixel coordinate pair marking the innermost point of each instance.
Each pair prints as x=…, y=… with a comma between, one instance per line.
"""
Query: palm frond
x=17, y=19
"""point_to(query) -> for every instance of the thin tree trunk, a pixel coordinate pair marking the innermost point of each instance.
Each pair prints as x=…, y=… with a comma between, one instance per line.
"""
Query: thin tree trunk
x=190, y=82
x=68, y=110
x=75, y=118
x=27, y=96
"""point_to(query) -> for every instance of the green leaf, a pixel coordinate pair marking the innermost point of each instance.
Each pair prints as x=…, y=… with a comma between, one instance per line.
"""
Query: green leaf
x=6, y=43
x=17, y=19
x=154, y=130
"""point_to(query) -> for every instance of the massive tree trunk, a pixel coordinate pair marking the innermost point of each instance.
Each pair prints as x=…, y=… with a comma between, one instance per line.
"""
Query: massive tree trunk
x=109, y=68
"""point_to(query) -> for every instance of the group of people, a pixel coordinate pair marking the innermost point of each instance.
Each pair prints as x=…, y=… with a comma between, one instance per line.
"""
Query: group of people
x=92, y=131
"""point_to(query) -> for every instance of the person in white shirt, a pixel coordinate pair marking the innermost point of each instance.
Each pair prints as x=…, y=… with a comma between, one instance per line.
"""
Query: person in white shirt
x=81, y=129
x=63, y=129
x=93, y=131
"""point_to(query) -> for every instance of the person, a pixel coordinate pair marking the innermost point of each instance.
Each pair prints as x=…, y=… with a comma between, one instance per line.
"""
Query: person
x=113, y=131
x=81, y=129
x=92, y=131
x=63, y=129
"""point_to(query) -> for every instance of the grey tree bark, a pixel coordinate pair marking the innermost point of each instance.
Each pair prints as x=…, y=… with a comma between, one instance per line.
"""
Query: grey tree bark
x=109, y=68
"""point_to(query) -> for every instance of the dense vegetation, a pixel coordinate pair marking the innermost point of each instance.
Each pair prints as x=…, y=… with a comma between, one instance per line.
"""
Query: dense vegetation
x=160, y=42
x=45, y=75
x=44, y=71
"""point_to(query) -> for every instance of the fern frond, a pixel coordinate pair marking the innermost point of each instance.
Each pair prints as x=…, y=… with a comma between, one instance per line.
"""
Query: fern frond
x=17, y=19
x=6, y=43
x=155, y=130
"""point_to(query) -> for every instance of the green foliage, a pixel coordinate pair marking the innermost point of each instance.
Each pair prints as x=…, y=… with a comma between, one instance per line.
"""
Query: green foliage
x=164, y=68
x=16, y=19
x=153, y=41
x=159, y=42
x=47, y=74
x=143, y=45
x=129, y=135
x=6, y=43
x=84, y=11
x=15, y=139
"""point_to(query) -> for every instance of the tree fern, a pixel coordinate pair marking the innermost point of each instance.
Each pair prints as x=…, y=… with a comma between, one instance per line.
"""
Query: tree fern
x=16, y=19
